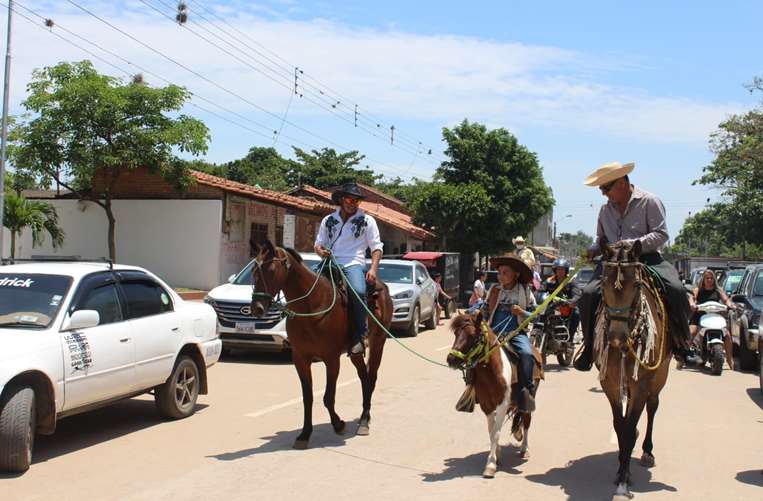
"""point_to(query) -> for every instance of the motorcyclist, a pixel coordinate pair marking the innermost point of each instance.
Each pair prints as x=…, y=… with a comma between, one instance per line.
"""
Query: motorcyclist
x=570, y=293
x=709, y=290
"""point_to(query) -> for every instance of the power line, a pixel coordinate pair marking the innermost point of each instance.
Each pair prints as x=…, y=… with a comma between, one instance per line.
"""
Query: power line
x=217, y=85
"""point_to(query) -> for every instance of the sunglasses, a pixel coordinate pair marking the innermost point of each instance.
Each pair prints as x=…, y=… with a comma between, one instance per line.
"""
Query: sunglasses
x=605, y=188
x=351, y=200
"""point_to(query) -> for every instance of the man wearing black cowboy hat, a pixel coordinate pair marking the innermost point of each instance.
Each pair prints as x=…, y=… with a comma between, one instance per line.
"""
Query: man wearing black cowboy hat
x=346, y=234
x=508, y=303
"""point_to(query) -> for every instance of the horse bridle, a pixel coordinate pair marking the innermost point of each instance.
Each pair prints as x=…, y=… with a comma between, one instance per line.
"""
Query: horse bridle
x=623, y=313
x=266, y=296
x=481, y=347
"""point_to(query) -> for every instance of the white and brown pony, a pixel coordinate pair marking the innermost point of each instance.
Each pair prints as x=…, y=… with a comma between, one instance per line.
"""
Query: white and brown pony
x=491, y=379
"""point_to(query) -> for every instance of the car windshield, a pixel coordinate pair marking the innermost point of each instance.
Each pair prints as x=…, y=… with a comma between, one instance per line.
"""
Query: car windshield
x=585, y=275
x=30, y=301
x=732, y=281
x=396, y=273
x=244, y=276
x=757, y=289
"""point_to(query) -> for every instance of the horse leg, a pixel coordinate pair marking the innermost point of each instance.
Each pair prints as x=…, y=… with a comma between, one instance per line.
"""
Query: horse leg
x=524, y=450
x=627, y=440
x=647, y=459
x=302, y=364
x=365, y=415
x=332, y=374
x=494, y=424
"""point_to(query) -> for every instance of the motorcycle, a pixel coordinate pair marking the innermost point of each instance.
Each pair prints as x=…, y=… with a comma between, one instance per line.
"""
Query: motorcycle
x=713, y=330
x=551, y=333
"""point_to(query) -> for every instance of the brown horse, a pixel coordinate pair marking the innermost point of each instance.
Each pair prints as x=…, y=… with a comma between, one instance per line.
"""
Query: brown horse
x=632, y=350
x=324, y=336
x=492, y=384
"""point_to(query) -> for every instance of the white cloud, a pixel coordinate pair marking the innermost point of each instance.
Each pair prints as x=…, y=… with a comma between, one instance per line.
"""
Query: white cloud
x=391, y=73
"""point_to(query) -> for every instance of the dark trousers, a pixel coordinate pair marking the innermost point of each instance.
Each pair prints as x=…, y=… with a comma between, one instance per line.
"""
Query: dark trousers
x=573, y=323
x=524, y=348
x=674, y=298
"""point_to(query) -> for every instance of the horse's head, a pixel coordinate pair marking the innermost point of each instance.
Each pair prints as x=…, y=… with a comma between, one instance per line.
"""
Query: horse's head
x=621, y=289
x=467, y=329
x=269, y=274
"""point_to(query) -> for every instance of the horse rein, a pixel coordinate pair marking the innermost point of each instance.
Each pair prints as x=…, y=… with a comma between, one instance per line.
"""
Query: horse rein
x=622, y=313
x=258, y=269
x=481, y=348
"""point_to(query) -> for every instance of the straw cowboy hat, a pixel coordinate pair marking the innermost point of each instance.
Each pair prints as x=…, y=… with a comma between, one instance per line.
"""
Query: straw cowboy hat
x=349, y=189
x=608, y=173
x=516, y=264
x=519, y=239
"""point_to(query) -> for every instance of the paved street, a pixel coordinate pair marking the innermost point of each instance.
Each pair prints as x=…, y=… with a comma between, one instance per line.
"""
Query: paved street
x=708, y=441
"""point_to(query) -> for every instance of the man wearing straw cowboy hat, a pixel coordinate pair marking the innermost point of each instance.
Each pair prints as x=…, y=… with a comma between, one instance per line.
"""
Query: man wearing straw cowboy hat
x=523, y=252
x=508, y=303
x=632, y=214
x=346, y=234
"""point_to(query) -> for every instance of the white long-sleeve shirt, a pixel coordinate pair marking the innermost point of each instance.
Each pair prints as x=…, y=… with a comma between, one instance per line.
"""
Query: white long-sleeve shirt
x=348, y=240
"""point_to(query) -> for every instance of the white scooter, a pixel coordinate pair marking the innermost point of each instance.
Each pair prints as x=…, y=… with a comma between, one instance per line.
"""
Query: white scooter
x=713, y=329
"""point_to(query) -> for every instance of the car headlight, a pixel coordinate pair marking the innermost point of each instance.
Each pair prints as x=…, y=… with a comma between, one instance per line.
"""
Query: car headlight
x=209, y=300
x=403, y=295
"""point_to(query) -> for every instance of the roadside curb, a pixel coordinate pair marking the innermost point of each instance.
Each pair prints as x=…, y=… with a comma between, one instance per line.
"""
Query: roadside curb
x=193, y=296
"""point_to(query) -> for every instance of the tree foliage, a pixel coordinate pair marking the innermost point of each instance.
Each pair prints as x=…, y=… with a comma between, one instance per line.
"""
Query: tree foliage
x=324, y=168
x=489, y=190
x=40, y=217
x=82, y=124
x=574, y=244
x=262, y=166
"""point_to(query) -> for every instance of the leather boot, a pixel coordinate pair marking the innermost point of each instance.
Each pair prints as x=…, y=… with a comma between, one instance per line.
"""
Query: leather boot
x=525, y=401
x=584, y=362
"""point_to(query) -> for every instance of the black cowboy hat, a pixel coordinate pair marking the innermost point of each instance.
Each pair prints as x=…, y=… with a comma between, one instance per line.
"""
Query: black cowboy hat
x=347, y=189
x=516, y=264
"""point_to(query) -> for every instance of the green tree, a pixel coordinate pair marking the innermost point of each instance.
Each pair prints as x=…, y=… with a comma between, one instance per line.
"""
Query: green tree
x=326, y=168
x=574, y=244
x=84, y=130
x=405, y=191
x=20, y=213
x=510, y=178
x=263, y=167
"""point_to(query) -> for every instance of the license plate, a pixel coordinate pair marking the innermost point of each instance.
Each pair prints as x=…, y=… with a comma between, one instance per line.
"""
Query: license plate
x=246, y=327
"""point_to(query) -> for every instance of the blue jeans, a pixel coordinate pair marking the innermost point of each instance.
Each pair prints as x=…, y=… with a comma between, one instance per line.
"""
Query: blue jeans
x=356, y=276
x=522, y=345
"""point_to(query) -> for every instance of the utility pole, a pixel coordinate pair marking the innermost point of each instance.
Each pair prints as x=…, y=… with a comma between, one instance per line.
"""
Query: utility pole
x=4, y=146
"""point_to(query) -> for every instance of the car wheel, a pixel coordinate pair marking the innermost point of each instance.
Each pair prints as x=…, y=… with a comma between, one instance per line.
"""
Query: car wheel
x=747, y=359
x=18, y=422
x=176, y=398
x=413, y=328
x=431, y=322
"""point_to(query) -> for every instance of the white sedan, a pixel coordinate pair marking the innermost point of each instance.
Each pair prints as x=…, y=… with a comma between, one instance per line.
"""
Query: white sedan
x=76, y=336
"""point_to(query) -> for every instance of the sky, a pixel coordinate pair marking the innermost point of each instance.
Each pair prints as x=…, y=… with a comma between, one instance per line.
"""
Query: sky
x=579, y=83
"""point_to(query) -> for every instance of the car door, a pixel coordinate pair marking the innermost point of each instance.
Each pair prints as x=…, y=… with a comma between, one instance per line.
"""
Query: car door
x=428, y=288
x=154, y=324
x=99, y=362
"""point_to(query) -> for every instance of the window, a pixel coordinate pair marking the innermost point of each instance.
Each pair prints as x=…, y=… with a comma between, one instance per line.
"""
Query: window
x=259, y=232
x=105, y=301
x=145, y=298
x=31, y=301
x=421, y=274
x=279, y=235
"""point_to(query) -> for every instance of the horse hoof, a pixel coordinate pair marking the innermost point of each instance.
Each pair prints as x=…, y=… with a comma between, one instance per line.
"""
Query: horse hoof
x=524, y=454
x=340, y=427
x=363, y=430
x=489, y=472
x=300, y=445
x=622, y=493
x=647, y=460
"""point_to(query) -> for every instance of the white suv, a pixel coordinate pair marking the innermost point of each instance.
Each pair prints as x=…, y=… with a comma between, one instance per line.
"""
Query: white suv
x=237, y=327
x=76, y=336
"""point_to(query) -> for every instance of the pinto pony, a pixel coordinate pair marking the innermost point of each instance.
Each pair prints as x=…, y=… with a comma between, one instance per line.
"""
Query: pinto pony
x=492, y=379
x=320, y=328
x=632, y=350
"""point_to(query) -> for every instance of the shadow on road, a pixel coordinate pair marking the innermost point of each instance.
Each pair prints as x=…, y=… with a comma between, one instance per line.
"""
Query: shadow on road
x=556, y=368
x=259, y=358
x=595, y=389
x=756, y=396
x=592, y=477
x=752, y=477
x=323, y=436
x=472, y=465
x=98, y=426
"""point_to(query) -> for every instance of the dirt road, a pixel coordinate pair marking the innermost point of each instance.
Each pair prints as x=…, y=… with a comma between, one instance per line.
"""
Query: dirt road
x=708, y=441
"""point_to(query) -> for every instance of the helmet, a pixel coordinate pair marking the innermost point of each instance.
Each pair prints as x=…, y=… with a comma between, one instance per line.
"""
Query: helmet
x=561, y=263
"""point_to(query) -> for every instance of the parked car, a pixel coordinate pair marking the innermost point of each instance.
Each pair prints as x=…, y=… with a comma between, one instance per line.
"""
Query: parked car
x=76, y=336
x=749, y=295
x=237, y=328
x=583, y=277
x=413, y=294
x=447, y=264
x=731, y=280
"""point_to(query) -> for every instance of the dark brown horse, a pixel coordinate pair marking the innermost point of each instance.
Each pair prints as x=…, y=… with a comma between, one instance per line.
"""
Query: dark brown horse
x=492, y=384
x=324, y=336
x=633, y=351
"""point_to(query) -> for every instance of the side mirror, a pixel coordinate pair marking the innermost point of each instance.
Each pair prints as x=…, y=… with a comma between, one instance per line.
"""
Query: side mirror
x=231, y=278
x=83, y=319
x=737, y=298
x=419, y=281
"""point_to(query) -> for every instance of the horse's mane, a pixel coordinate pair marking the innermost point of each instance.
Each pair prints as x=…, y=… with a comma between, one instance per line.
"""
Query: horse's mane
x=293, y=254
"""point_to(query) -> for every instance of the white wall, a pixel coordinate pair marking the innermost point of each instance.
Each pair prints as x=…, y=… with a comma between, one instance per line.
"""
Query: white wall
x=179, y=240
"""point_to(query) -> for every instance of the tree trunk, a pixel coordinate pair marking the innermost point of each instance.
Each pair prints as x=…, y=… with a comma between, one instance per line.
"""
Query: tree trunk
x=112, y=226
x=13, y=244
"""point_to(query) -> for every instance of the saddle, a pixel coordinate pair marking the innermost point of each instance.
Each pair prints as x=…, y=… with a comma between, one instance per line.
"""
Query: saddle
x=514, y=361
